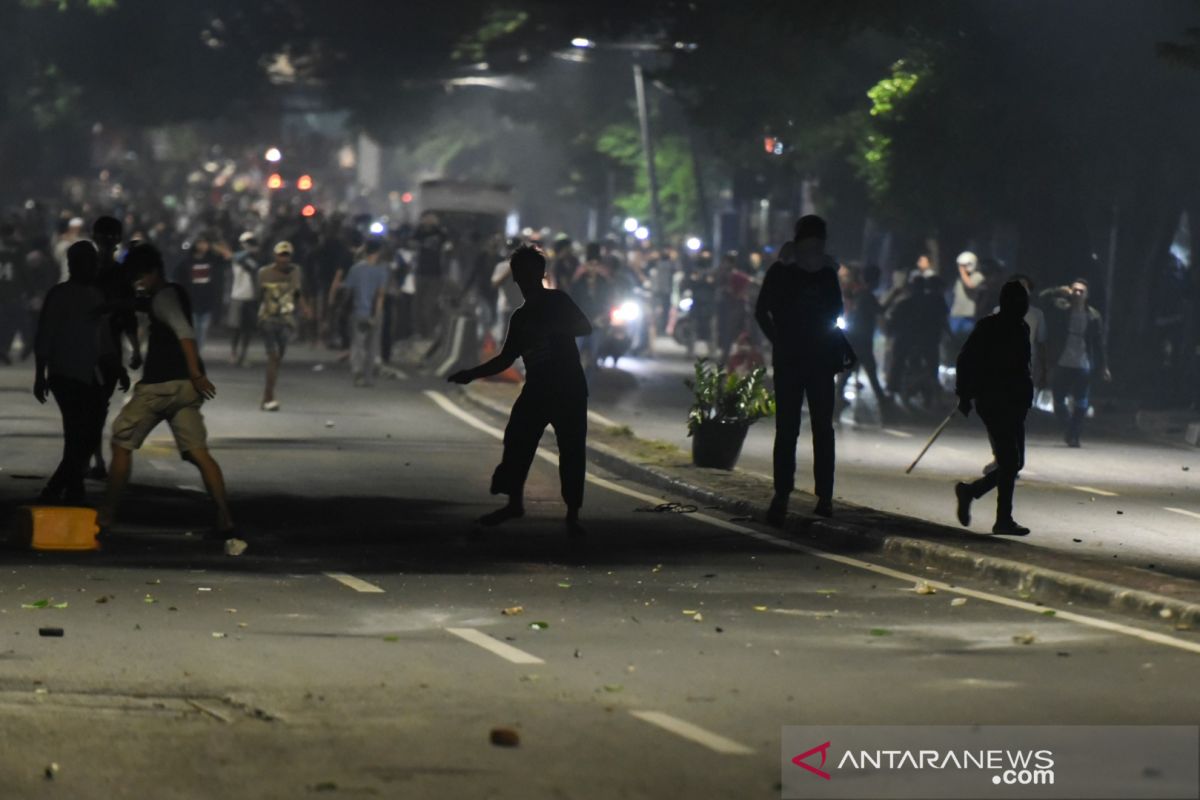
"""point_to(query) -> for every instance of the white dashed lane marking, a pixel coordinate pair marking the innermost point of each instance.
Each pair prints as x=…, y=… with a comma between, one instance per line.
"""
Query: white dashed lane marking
x=357, y=584
x=1061, y=615
x=693, y=733
x=1093, y=490
x=495, y=646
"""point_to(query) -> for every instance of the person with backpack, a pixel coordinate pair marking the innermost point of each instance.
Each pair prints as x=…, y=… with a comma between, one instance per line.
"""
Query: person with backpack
x=797, y=310
x=173, y=387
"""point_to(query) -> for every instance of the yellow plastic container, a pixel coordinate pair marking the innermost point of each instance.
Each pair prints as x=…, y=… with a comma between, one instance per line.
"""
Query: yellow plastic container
x=60, y=527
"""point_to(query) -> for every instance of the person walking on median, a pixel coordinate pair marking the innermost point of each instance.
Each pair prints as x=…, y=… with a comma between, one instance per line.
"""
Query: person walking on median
x=279, y=299
x=993, y=373
x=67, y=351
x=798, y=308
x=367, y=283
x=543, y=333
x=1076, y=349
x=172, y=389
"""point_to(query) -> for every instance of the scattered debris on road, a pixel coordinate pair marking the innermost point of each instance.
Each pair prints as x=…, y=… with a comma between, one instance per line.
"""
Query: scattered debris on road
x=54, y=632
x=505, y=737
x=1024, y=638
x=539, y=626
x=235, y=547
x=512, y=611
x=51, y=770
x=958, y=601
x=923, y=587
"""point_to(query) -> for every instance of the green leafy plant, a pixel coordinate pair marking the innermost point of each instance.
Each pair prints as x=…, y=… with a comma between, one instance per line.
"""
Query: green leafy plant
x=721, y=397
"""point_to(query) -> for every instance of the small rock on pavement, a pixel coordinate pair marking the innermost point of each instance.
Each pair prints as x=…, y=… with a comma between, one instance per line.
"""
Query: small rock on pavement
x=958, y=601
x=52, y=632
x=1024, y=638
x=328, y=423
x=51, y=770
x=235, y=547
x=505, y=737
x=924, y=588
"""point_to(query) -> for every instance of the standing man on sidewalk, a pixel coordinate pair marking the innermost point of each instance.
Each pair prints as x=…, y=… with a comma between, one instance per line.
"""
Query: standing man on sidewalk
x=994, y=374
x=542, y=332
x=1076, y=349
x=172, y=389
x=798, y=308
x=367, y=283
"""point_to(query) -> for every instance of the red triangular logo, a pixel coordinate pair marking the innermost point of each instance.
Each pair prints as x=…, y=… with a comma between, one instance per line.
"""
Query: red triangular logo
x=822, y=749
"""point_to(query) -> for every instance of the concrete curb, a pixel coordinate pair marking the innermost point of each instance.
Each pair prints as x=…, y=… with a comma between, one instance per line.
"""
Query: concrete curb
x=1028, y=580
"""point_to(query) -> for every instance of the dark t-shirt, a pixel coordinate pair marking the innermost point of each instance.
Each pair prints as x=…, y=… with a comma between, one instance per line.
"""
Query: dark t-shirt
x=994, y=365
x=798, y=310
x=542, y=332
x=431, y=240
x=863, y=316
x=12, y=274
x=202, y=277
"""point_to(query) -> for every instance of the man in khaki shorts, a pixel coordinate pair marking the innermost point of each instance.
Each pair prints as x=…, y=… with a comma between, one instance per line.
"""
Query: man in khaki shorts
x=172, y=389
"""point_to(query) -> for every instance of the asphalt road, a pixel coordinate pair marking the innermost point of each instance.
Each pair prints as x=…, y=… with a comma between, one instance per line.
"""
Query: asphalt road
x=359, y=647
x=1119, y=496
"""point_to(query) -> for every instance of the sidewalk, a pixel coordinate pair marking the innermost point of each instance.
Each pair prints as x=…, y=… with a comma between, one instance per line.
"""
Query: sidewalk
x=1028, y=571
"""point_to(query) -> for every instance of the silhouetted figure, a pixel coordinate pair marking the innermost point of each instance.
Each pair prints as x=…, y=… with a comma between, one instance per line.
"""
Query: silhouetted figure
x=542, y=332
x=201, y=274
x=994, y=375
x=14, y=291
x=917, y=321
x=172, y=389
x=120, y=321
x=862, y=317
x=1075, y=332
x=797, y=310
x=67, y=351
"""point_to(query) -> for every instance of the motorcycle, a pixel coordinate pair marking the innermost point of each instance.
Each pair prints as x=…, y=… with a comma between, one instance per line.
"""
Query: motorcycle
x=621, y=329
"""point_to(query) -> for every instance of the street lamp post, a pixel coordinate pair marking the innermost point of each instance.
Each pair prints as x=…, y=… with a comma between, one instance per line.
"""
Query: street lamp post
x=639, y=84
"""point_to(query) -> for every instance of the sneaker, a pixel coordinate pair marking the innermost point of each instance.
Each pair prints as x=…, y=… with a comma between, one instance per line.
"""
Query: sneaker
x=272, y=405
x=1008, y=527
x=777, y=513
x=963, y=492
x=1072, y=441
x=824, y=507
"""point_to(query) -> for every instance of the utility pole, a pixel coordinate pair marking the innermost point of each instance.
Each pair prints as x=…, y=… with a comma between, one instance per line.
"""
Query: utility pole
x=639, y=85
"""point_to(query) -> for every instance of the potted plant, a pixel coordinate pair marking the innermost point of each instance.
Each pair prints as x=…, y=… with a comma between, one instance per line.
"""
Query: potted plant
x=724, y=406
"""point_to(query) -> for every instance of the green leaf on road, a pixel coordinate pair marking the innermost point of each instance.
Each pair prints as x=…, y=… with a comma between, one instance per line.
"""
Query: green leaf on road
x=59, y=605
x=149, y=599
x=36, y=604
x=880, y=632
x=564, y=586
x=1049, y=612
x=391, y=638
x=613, y=687
x=539, y=626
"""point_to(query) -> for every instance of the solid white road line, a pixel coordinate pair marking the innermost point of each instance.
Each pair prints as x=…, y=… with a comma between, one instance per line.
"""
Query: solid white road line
x=1115, y=627
x=600, y=419
x=1183, y=511
x=896, y=433
x=357, y=584
x=693, y=733
x=494, y=645
x=1093, y=490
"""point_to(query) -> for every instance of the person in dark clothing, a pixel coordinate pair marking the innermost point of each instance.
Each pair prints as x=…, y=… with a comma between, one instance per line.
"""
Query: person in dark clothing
x=431, y=239
x=918, y=321
x=1075, y=348
x=862, y=317
x=591, y=289
x=67, y=351
x=120, y=320
x=172, y=389
x=13, y=292
x=994, y=374
x=797, y=309
x=542, y=332
x=201, y=274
